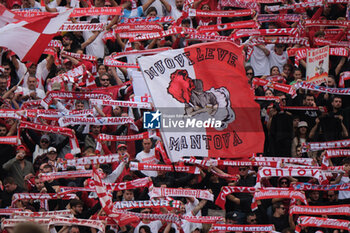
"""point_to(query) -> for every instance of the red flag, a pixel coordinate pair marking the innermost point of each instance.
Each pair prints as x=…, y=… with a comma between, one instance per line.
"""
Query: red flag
x=205, y=105
x=30, y=36
x=6, y=16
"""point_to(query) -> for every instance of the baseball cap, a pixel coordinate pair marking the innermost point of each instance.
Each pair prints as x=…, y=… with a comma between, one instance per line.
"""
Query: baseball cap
x=21, y=147
x=51, y=149
x=302, y=124
x=121, y=145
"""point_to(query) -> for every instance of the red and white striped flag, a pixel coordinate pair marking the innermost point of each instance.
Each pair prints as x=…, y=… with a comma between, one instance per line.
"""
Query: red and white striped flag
x=29, y=37
x=6, y=16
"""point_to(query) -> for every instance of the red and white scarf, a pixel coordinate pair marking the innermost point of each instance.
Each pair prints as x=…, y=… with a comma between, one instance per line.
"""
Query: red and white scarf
x=173, y=192
x=228, y=26
x=59, y=221
x=278, y=40
x=307, y=221
x=100, y=159
x=285, y=194
x=289, y=89
x=42, y=196
x=321, y=210
x=76, y=27
x=141, y=27
x=124, y=205
x=65, y=174
x=294, y=172
x=293, y=6
x=267, y=98
x=109, y=61
x=138, y=20
x=10, y=140
x=53, y=129
x=337, y=153
x=265, y=32
x=230, y=13
x=78, y=12
x=137, y=183
x=317, y=146
x=241, y=228
x=138, y=52
x=80, y=56
x=67, y=95
x=135, y=166
x=74, y=120
x=236, y=163
x=320, y=187
x=303, y=161
x=9, y=211
x=310, y=86
x=14, y=222
x=129, y=104
x=327, y=23
x=47, y=214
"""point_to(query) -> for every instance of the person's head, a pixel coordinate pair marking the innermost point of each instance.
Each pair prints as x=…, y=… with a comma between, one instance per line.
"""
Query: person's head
x=205, y=7
x=251, y=218
x=9, y=184
x=274, y=70
x=128, y=195
x=346, y=164
x=99, y=3
x=21, y=152
x=67, y=39
x=145, y=229
x=52, y=153
x=29, y=227
x=73, y=229
x=32, y=82
x=231, y=217
x=101, y=69
x=302, y=128
x=151, y=12
x=95, y=129
x=3, y=130
x=79, y=105
x=243, y=171
x=105, y=80
x=117, y=111
x=298, y=151
x=46, y=168
x=287, y=69
x=7, y=69
x=3, y=83
x=314, y=195
x=39, y=184
x=283, y=182
x=279, y=48
x=336, y=103
x=297, y=74
x=332, y=196
x=179, y=4
x=122, y=149
x=283, y=99
x=269, y=92
x=45, y=141
x=309, y=100
x=249, y=71
x=186, y=23
x=147, y=145
x=319, y=35
x=331, y=81
x=296, y=120
x=76, y=206
x=31, y=67
x=279, y=208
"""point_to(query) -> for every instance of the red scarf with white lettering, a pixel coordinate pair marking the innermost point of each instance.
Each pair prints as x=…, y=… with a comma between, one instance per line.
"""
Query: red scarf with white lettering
x=307, y=221
x=316, y=146
x=241, y=228
x=337, y=153
x=42, y=196
x=47, y=214
x=343, y=77
x=173, y=192
x=124, y=205
x=320, y=187
x=53, y=129
x=135, y=166
x=65, y=174
x=321, y=210
x=226, y=190
x=274, y=85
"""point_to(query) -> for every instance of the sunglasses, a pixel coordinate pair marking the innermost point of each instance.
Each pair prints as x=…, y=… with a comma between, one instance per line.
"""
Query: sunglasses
x=253, y=220
x=44, y=141
x=242, y=169
x=282, y=208
x=331, y=195
x=249, y=73
x=104, y=79
x=284, y=182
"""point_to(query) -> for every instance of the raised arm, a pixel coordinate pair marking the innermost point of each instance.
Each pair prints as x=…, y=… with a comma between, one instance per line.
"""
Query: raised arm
x=147, y=4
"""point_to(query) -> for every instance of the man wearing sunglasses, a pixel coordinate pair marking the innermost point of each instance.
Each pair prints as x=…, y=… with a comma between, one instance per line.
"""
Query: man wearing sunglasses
x=279, y=217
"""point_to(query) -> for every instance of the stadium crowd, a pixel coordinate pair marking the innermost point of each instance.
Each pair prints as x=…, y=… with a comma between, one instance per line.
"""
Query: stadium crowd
x=289, y=121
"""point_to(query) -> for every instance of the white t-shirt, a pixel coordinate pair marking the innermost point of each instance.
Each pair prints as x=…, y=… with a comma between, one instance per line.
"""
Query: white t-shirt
x=150, y=158
x=39, y=93
x=275, y=59
x=175, y=13
x=154, y=225
x=260, y=62
x=344, y=194
x=41, y=73
x=97, y=47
